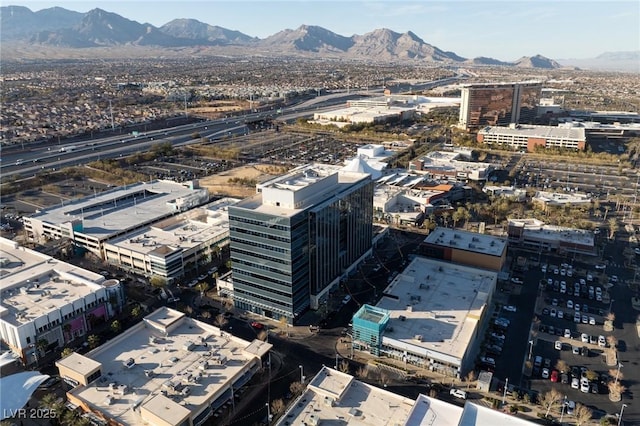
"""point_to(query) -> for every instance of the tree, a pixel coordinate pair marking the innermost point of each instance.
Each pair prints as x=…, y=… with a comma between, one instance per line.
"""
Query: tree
x=116, y=326
x=202, y=288
x=66, y=352
x=136, y=311
x=550, y=399
x=206, y=315
x=616, y=374
x=613, y=227
x=93, y=340
x=562, y=366
x=42, y=345
x=50, y=402
x=277, y=406
x=296, y=388
x=470, y=377
x=591, y=375
x=344, y=366
x=582, y=414
x=157, y=281
x=362, y=372
x=612, y=341
x=615, y=391
x=220, y=321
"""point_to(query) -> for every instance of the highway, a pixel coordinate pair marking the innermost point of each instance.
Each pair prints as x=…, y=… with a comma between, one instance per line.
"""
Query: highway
x=23, y=161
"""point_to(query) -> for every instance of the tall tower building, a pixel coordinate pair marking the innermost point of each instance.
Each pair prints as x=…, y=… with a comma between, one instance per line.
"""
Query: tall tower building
x=498, y=104
x=295, y=238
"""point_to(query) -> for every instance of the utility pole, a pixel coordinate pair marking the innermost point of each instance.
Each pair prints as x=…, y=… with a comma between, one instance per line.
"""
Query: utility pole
x=113, y=127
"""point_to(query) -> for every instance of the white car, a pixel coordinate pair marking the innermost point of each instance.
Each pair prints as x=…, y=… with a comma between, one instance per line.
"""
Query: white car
x=544, y=268
x=458, y=393
x=545, y=373
x=601, y=341
x=558, y=345
x=567, y=333
x=614, y=278
x=576, y=317
x=510, y=308
x=584, y=385
x=563, y=272
x=552, y=313
x=556, y=271
x=601, y=267
x=592, y=321
x=560, y=314
x=585, y=319
x=570, y=272
x=487, y=360
x=570, y=304
x=584, y=338
x=575, y=383
x=637, y=250
x=576, y=351
x=516, y=280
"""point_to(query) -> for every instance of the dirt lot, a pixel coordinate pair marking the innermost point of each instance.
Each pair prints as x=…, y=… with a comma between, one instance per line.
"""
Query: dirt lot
x=222, y=182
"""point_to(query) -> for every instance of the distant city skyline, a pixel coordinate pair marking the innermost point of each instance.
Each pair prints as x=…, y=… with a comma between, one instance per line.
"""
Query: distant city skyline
x=503, y=29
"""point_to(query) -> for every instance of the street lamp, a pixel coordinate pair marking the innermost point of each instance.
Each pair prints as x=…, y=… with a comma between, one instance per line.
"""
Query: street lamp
x=530, y=349
x=268, y=413
x=504, y=393
x=620, y=415
x=564, y=404
x=618, y=372
x=301, y=373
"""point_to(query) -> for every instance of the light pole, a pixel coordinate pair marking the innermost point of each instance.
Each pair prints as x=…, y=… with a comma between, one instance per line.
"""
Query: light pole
x=618, y=372
x=620, y=415
x=611, y=305
x=268, y=413
x=504, y=393
x=301, y=373
x=530, y=349
x=564, y=404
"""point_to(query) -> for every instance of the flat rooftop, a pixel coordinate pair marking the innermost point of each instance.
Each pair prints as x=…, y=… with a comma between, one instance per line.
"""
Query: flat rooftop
x=552, y=132
x=332, y=396
x=561, y=198
x=538, y=230
x=181, y=232
x=125, y=207
x=432, y=411
x=435, y=306
x=479, y=415
x=467, y=241
x=306, y=186
x=168, y=361
x=33, y=284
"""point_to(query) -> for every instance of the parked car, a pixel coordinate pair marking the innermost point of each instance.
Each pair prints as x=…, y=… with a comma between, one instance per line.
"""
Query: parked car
x=564, y=378
x=558, y=345
x=601, y=341
x=510, y=308
x=487, y=360
x=575, y=383
x=570, y=304
x=575, y=350
x=567, y=333
x=257, y=325
x=584, y=385
x=560, y=314
x=592, y=321
x=584, y=351
x=555, y=376
x=545, y=373
x=458, y=393
x=346, y=299
x=584, y=338
x=570, y=405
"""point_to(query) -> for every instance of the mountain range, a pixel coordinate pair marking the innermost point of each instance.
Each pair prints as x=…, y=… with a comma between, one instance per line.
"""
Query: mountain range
x=62, y=28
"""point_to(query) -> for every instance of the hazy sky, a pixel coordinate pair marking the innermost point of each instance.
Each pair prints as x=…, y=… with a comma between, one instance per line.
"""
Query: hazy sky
x=505, y=29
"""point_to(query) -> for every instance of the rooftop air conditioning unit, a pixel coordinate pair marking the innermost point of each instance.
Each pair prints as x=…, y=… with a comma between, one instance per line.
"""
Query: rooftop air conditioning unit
x=418, y=337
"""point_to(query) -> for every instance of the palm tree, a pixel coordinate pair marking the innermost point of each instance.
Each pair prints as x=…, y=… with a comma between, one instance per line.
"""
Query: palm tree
x=202, y=288
x=613, y=227
x=66, y=352
x=116, y=326
x=136, y=311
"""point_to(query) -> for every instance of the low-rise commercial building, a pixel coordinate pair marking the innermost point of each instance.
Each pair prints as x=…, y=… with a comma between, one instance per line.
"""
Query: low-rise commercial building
x=509, y=192
x=332, y=395
x=524, y=137
x=533, y=234
x=466, y=248
x=454, y=165
x=546, y=199
x=167, y=370
x=91, y=221
x=174, y=246
x=46, y=303
x=430, y=316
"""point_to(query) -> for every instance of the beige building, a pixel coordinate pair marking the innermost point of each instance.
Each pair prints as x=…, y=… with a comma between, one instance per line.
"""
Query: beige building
x=168, y=370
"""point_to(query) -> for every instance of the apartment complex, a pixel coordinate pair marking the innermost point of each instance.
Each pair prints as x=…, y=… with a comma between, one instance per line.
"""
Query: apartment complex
x=294, y=239
x=498, y=104
x=167, y=370
x=466, y=248
x=528, y=138
x=45, y=303
x=171, y=247
x=430, y=315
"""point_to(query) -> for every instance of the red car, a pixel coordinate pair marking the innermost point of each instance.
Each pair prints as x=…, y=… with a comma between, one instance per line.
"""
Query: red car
x=257, y=325
x=554, y=376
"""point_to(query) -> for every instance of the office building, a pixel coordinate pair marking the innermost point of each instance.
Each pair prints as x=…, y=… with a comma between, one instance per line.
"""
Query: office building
x=430, y=315
x=91, y=221
x=167, y=370
x=466, y=248
x=529, y=138
x=498, y=104
x=296, y=238
x=546, y=199
x=533, y=234
x=174, y=246
x=454, y=165
x=46, y=303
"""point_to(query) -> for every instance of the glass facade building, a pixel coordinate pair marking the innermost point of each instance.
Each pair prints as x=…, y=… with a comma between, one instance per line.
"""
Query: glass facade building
x=498, y=104
x=281, y=256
